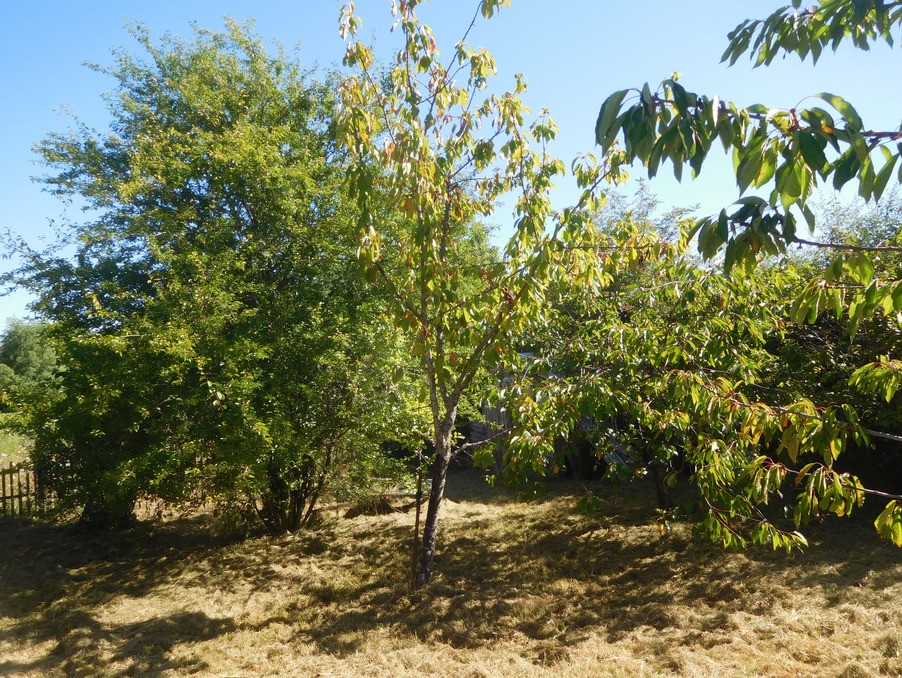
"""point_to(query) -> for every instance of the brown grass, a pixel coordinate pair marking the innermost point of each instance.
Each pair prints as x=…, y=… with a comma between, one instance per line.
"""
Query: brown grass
x=522, y=589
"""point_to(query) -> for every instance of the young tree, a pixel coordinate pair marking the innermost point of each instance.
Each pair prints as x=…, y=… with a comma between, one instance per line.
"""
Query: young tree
x=787, y=152
x=433, y=154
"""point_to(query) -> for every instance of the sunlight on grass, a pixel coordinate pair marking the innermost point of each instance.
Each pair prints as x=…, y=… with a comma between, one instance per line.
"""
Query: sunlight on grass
x=13, y=448
x=531, y=589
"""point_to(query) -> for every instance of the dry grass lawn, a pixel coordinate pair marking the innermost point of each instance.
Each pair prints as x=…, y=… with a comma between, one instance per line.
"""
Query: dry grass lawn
x=522, y=589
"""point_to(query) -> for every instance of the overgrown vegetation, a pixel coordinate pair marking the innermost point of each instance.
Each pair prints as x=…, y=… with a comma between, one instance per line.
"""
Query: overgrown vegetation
x=748, y=446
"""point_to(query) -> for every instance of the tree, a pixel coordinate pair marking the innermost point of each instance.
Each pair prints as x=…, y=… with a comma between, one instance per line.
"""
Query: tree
x=641, y=365
x=433, y=154
x=212, y=324
x=28, y=371
x=27, y=360
x=818, y=358
x=787, y=151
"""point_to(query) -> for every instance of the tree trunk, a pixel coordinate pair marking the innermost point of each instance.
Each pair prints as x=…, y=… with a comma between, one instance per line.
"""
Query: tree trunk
x=665, y=500
x=430, y=528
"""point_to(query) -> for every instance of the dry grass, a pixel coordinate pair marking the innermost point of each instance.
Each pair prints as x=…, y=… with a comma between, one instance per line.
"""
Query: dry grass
x=522, y=590
x=13, y=448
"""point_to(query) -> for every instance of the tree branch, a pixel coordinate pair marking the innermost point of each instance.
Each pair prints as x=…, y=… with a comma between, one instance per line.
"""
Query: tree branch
x=841, y=246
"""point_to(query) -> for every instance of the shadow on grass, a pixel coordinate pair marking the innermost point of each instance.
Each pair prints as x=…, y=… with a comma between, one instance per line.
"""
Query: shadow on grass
x=55, y=578
x=139, y=648
x=539, y=572
x=609, y=573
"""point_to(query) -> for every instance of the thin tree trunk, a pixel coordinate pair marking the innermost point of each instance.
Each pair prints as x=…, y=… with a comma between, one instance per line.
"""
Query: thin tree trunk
x=416, y=523
x=430, y=528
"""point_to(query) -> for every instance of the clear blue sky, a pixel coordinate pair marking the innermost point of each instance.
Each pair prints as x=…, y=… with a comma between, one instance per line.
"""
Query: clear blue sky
x=573, y=52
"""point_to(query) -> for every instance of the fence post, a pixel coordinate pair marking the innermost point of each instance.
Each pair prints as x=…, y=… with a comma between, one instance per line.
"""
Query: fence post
x=3, y=490
x=28, y=492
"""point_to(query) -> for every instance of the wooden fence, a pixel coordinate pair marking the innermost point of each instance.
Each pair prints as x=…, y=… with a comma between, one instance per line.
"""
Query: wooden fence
x=18, y=491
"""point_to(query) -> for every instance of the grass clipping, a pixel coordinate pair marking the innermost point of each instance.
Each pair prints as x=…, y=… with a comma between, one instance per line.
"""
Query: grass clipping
x=521, y=589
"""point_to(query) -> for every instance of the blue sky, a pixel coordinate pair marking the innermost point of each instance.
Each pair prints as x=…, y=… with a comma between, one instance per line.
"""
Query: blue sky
x=573, y=52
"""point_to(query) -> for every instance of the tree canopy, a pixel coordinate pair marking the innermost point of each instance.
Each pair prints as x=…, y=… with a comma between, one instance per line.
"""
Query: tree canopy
x=786, y=152
x=212, y=323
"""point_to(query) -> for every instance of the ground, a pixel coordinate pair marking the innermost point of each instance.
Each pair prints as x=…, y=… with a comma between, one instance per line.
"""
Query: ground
x=522, y=589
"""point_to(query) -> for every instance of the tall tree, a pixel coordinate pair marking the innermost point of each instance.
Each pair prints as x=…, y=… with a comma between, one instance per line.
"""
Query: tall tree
x=211, y=323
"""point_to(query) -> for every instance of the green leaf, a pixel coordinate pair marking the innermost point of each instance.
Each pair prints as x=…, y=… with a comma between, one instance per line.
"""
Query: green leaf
x=845, y=168
x=790, y=188
x=889, y=523
x=849, y=114
x=812, y=151
x=883, y=177
x=749, y=169
x=605, y=132
x=809, y=218
x=860, y=268
x=789, y=228
x=723, y=226
x=726, y=133
x=819, y=119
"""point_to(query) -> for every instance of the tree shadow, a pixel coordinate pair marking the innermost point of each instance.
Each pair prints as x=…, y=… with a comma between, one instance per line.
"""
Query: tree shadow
x=140, y=648
x=54, y=579
x=539, y=571
x=589, y=576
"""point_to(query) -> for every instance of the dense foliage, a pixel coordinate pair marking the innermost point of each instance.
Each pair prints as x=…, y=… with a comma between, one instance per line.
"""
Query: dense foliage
x=212, y=323
x=27, y=369
x=787, y=152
